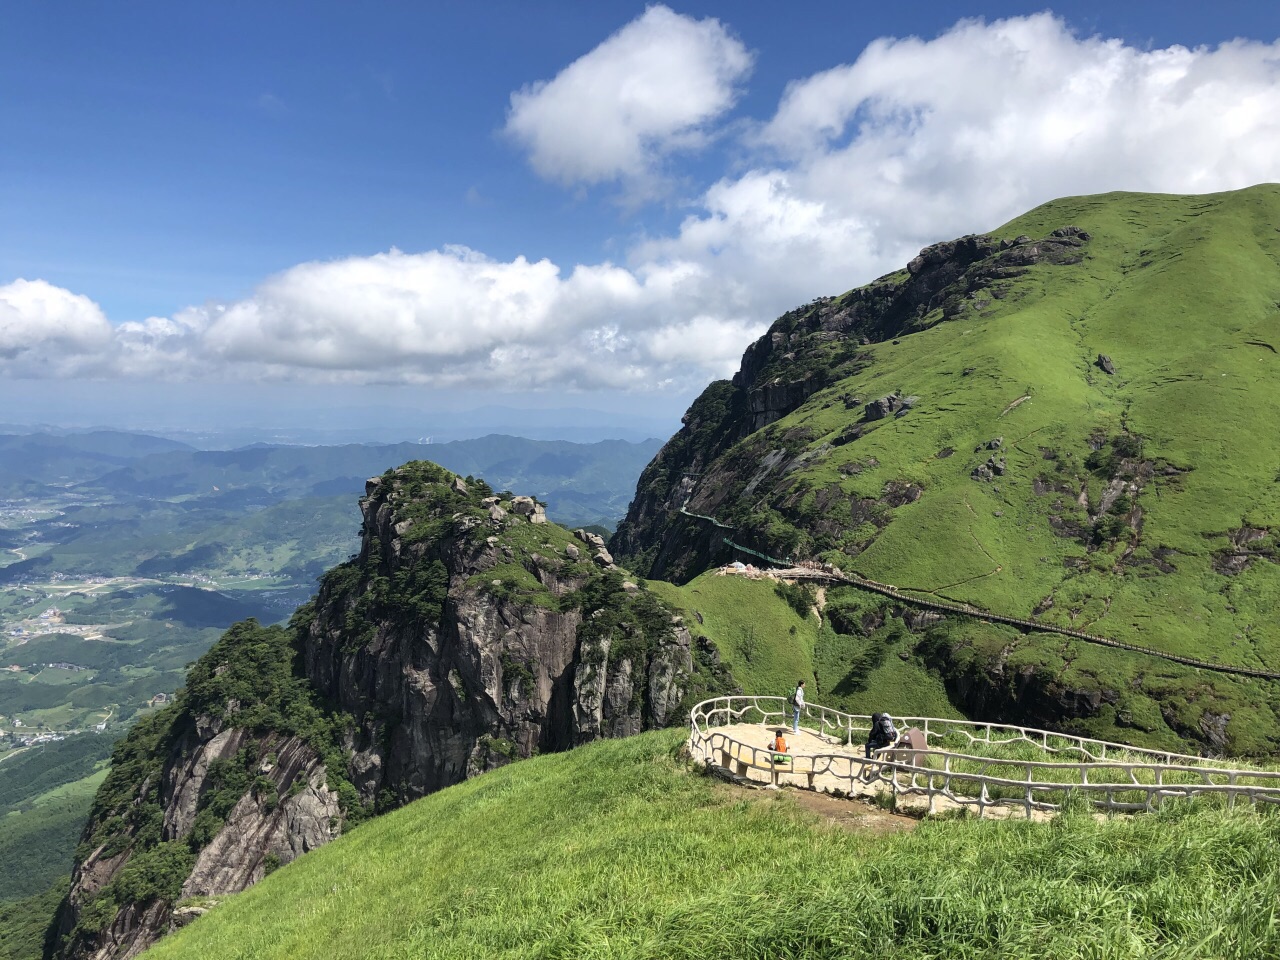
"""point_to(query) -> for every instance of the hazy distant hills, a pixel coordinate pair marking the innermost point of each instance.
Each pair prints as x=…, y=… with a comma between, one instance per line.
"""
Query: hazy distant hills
x=29, y=461
x=601, y=471
x=581, y=483
x=156, y=546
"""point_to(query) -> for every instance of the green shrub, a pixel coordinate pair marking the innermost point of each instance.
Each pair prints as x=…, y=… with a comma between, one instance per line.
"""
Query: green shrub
x=798, y=596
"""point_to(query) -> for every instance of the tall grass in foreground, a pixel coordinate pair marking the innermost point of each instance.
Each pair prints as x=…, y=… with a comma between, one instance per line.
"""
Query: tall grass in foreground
x=615, y=850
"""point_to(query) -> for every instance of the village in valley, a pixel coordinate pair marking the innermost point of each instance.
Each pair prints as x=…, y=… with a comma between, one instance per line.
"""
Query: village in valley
x=86, y=643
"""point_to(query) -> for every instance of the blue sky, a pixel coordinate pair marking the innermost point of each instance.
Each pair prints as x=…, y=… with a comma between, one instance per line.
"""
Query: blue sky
x=247, y=194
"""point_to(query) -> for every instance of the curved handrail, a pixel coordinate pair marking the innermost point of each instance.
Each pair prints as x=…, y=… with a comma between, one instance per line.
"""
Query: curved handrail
x=1133, y=778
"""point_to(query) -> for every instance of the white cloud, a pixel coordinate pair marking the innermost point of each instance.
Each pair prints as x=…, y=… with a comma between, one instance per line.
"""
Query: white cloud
x=862, y=164
x=650, y=89
x=919, y=140
x=48, y=331
x=442, y=318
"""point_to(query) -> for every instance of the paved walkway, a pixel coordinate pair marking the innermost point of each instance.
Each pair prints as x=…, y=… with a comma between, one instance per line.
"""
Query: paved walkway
x=823, y=763
x=810, y=752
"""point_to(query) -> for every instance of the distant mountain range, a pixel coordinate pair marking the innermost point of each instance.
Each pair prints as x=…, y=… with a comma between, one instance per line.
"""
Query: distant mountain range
x=251, y=414
x=580, y=483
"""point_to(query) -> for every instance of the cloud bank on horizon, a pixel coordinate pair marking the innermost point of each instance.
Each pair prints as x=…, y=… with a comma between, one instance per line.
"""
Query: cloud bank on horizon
x=860, y=166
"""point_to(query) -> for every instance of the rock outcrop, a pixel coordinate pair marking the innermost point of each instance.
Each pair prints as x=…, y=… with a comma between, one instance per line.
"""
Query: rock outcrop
x=499, y=672
x=467, y=633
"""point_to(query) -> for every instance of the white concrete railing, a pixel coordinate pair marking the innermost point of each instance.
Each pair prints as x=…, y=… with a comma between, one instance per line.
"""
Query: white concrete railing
x=1111, y=776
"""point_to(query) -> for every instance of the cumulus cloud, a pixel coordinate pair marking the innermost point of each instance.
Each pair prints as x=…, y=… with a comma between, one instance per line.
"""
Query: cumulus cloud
x=922, y=140
x=442, y=318
x=861, y=165
x=918, y=140
x=48, y=331
x=650, y=89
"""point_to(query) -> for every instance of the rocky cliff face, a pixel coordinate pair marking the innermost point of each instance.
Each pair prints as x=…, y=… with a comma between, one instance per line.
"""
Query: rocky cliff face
x=204, y=798
x=805, y=351
x=539, y=642
x=467, y=633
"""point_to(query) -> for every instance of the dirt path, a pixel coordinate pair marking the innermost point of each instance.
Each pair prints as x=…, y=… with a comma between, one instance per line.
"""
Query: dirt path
x=855, y=815
x=10, y=756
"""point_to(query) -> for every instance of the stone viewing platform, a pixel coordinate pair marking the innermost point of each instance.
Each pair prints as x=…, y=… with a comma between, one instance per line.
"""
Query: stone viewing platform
x=940, y=765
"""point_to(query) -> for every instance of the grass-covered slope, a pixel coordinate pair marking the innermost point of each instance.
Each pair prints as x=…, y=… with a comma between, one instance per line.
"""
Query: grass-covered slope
x=1143, y=505
x=24, y=923
x=616, y=850
x=45, y=795
x=37, y=843
x=768, y=635
x=1182, y=294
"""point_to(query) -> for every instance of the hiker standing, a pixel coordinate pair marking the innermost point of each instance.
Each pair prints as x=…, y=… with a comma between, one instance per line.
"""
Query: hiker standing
x=882, y=733
x=797, y=704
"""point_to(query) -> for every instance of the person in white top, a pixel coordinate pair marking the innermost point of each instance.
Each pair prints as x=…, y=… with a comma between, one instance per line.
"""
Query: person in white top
x=797, y=704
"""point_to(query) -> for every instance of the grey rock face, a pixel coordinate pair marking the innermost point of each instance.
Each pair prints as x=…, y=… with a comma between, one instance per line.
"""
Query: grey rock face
x=186, y=780
x=892, y=405
x=256, y=832
x=492, y=669
x=237, y=856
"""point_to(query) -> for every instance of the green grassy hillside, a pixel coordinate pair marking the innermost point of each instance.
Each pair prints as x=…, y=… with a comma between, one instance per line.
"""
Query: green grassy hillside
x=617, y=850
x=769, y=636
x=1176, y=290
x=23, y=923
x=45, y=796
x=1143, y=505
x=38, y=843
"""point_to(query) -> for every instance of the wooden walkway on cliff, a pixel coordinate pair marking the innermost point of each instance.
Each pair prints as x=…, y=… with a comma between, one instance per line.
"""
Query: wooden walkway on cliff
x=788, y=569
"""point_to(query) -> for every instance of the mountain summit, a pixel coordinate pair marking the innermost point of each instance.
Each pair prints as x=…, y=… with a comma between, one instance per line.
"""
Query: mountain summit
x=1070, y=420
